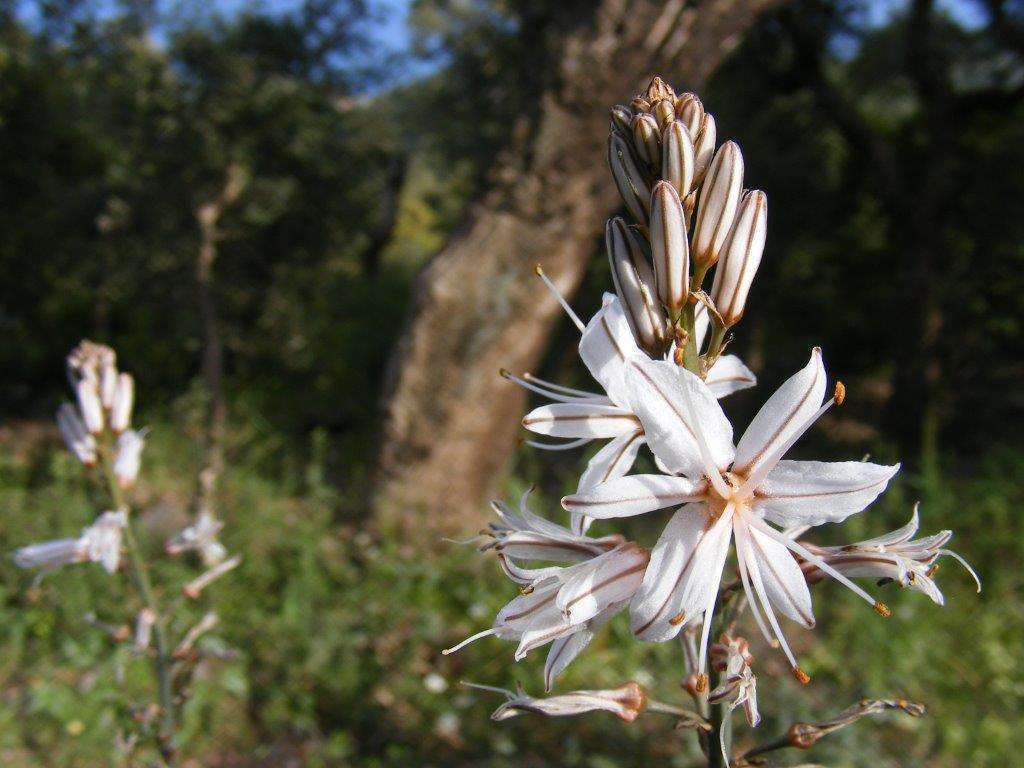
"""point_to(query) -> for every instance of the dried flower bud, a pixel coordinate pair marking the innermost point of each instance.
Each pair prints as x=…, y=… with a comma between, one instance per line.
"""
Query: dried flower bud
x=647, y=138
x=741, y=257
x=636, y=193
x=622, y=119
x=690, y=110
x=627, y=702
x=121, y=403
x=664, y=112
x=144, y=629
x=719, y=197
x=669, y=248
x=633, y=277
x=703, y=148
x=678, y=162
x=658, y=89
x=201, y=582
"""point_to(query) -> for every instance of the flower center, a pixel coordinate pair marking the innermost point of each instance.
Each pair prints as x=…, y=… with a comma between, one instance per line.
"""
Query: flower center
x=739, y=500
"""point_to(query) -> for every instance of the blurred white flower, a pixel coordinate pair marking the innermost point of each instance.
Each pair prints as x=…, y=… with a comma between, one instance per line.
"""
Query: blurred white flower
x=121, y=404
x=128, y=458
x=200, y=537
x=76, y=436
x=627, y=702
x=98, y=543
x=730, y=491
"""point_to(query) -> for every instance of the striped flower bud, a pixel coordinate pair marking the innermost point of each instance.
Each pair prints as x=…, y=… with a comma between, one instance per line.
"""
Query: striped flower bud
x=678, y=163
x=669, y=248
x=633, y=188
x=664, y=112
x=659, y=90
x=741, y=257
x=703, y=148
x=690, y=110
x=622, y=118
x=647, y=139
x=632, y=276
x=640, y=104
x=719, y=197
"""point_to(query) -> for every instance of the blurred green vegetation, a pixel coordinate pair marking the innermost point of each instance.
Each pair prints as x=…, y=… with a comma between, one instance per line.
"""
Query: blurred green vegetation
x=115, y=127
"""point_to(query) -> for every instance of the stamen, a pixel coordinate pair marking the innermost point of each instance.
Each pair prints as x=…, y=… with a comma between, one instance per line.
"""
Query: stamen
x=557, y=387
x=802, y=677
x=556, y=396
x=561, y=299
x=524, y=591
x=744, y=577
x=468, y=640
x=676, y=620
x=882, y=609
x=762, y=595
x=558, y=446
x=964, y=563
x=840, y=393
x=701, y=686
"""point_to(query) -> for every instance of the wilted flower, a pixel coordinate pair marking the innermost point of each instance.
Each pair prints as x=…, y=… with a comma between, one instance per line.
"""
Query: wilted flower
x=98, y=543
x=731, y=656
x=128, y=458
x=200, y=537
x=896, y=557
x=730, y=491
x=627, y=702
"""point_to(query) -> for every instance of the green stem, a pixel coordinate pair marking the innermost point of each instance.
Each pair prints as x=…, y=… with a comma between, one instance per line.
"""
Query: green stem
x=715, y=345
x=139, y=576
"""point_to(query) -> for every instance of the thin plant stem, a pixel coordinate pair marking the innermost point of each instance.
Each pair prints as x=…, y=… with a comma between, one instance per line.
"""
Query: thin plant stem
x=139, y=576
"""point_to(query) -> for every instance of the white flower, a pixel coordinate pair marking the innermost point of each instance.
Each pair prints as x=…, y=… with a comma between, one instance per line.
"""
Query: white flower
x=121, y=403
x=99, y=543
x=627, y=702
x=606, y=345
x=201, y=537
x=76, y=436
x=730, y=491
x=128, y=458
x=89, y=405
x=896, y=557
x=731, y=656
x=565, y=605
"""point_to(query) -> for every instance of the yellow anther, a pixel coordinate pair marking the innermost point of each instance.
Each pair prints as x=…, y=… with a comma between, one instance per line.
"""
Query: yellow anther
x=504, y=373
x=539, y=270
x=676, y=620
x=882, y=610
x=840, y=393
x=526, y=590
x=701, y=685
x=802, y=677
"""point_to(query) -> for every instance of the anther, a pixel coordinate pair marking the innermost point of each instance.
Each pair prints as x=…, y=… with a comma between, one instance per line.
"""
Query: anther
x=676, y=620
x=524, y=591
x=678, y=356
x=538, y=269
x=701, y=685
x=840, y=393
x=882, y=610
x=504, y=373
x=802, y=677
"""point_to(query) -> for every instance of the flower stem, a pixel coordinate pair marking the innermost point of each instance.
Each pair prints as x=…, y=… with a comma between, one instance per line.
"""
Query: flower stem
x=139, y=576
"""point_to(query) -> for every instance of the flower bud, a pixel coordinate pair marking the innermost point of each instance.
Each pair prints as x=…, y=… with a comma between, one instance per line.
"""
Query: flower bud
x=89, y=405
x=658, y=90
x=690, y=110
x=640, y=104
x=128, y=459
x=703, y=148
x=669, y=248
x=622, y=118
x=633, y=188
x=647, y=138
x=678, y=163
x=108, y=381
x=719, y=196
x=76, y=436
x=741, y=257
x=633, y=276
x=664, y=112
x=121, y=405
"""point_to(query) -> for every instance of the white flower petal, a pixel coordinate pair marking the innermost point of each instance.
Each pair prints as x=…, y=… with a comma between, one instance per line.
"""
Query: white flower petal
x=786, y=411
x=816, y=492
x=783, y=580
x=672, y=404
x=612, y=578
x=729, y=375
x=634, y=495
x=562, y=653
x=580, y=420
x=615, y=459
x=606, y=345
x=685, y=568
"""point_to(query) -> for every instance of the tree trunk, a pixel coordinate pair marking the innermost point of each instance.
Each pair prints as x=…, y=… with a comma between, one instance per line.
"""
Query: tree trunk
x=451, y=419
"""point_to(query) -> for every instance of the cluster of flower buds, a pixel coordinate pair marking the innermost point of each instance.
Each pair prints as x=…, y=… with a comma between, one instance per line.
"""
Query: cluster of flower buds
x=689, y=213
x=102, y=413
x=731, y=657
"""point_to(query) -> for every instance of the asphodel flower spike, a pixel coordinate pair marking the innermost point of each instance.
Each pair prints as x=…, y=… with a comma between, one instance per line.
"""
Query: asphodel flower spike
x=741, y=257
x=719, y=198
x=669, y=248
x=730, y=492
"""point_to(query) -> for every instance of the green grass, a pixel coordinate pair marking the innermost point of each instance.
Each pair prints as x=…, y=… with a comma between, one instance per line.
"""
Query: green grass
x=337, y=632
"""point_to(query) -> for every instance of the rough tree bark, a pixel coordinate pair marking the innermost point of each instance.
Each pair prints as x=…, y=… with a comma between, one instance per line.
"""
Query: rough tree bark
x=451, y=420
